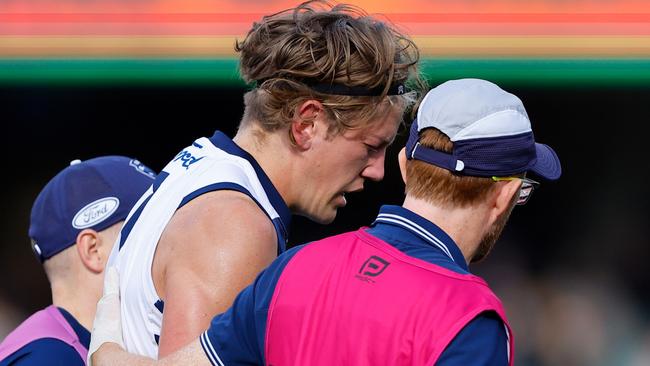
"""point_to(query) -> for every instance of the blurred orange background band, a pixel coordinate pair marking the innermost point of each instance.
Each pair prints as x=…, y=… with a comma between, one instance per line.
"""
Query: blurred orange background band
x=208, y=28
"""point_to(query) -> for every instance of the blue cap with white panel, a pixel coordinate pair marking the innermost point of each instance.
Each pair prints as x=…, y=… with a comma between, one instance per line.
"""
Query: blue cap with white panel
x=92, y=194
x=489, y=128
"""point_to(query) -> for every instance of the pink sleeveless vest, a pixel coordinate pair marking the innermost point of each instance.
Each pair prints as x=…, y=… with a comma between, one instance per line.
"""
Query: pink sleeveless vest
x=47, y=323
x=353, y=299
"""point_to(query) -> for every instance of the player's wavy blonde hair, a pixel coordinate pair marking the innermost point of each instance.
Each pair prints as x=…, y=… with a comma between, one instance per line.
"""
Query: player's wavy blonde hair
x=440, y=186
x=325, y=43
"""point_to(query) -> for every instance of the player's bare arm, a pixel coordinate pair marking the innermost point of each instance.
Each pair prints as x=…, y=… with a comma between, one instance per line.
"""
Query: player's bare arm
x=111, y=354
x=199, y=271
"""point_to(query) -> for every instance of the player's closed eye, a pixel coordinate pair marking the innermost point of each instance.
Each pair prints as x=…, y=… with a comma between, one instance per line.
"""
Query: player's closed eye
x=372, y=149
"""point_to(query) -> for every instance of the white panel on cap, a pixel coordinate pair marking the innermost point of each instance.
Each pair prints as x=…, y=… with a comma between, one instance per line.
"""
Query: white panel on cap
x=503, y=123
x=422, y=121
x=472, y=108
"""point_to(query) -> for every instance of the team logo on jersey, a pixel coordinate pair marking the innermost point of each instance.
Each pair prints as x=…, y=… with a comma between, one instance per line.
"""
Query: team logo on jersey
x=95, y=212
x=372, y=267
x=187, y=158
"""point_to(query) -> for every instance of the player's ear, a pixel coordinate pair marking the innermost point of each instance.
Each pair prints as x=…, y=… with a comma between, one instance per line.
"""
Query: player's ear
x=401, y=159
x=88, y=242
x=502, y=197
x=306, y=122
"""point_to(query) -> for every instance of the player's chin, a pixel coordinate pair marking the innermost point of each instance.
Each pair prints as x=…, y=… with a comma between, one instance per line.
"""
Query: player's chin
x=328, y=219
x=325, y=216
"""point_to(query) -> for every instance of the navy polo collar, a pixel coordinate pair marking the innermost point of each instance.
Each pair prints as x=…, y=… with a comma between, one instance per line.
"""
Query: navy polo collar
x=82, y=333
x=223, y=142
x=429, y=233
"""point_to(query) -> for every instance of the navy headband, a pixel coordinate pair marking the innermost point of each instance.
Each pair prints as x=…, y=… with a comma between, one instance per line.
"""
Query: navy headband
x=353, y=91
x=356, y=91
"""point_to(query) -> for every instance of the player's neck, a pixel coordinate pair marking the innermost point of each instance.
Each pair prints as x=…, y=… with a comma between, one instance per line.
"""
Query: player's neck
x=271, y=151
x=466, y=225
x=79, y=303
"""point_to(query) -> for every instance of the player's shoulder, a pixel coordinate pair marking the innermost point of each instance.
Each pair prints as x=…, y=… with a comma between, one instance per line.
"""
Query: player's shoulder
x=224, y=206
x=236, y=211
x=219, y=218
x=44, y=351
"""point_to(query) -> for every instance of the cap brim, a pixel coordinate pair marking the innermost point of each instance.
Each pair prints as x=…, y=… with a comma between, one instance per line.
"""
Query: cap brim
x=548, y=164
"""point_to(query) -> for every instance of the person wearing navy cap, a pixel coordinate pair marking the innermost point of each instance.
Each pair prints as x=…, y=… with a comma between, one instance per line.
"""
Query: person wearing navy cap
x=74, y=222
x=399, y=292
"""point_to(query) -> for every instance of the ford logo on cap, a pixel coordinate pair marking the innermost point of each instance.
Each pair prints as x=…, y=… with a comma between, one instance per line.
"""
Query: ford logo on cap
x=95, y=212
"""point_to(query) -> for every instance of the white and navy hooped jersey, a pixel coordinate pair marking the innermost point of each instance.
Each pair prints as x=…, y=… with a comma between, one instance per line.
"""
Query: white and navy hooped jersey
x=209, y=164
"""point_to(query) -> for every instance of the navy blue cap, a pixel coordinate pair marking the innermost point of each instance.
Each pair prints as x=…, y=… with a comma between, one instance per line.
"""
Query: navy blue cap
x=92, y=194
x=489, y=128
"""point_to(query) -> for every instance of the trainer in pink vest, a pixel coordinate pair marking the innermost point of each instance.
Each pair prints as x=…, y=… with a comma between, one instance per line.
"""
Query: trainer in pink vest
x=392, y=310
x=47, y=323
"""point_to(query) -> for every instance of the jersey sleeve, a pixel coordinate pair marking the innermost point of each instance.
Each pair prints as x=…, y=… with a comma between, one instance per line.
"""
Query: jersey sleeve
x=238, y=335
x=482, y=342
x=45, y=351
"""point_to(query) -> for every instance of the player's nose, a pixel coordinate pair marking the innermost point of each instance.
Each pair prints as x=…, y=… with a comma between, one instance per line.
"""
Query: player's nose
x=375, y=168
